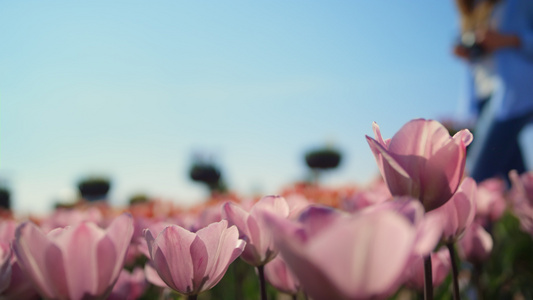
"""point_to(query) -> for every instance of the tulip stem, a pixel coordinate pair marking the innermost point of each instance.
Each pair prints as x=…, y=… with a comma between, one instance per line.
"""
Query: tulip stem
x=262, y=283
x=428, y=278
x=192, y=297
x=451, y=249
x=476, y=274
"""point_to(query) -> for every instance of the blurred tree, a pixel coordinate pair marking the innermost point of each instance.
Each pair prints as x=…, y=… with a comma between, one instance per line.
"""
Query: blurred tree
x=322, y=159
x=205, y=171
x=94, y=188
x=138, y=198
x=5, y=198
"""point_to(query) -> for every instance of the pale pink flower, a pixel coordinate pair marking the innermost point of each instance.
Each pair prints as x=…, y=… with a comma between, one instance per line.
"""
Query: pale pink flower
x=190, y=263
x=78, y=262
x=208, y=215
x=279, y=276
x=476, y=244
x=459, y=212
x=422, y=161
x=297, y=204
x=521, y=195
x=129, y=286
x=14, y=282
x=440, y=263
x=490, y=200
x=360, y=257
x=69, y=217
x=7, y=231
x=152, y=276
x=428, y=227
x=5, y=266
x=377, y=192
x=19, y=286
x=259, y=241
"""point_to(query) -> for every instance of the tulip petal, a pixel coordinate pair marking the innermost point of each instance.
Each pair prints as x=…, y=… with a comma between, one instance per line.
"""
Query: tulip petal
x=442, y=175
x=107, y=259
x=419, y=137
x=223, y=246
x=29, y=247
x=377, y=135
x=120, y=232
x=212, y=235
x=275, y=204
x=152, y=276
x=200, y=260
x=55, y=268
x=398, y=179
x=78, y=245
x=362, y=248
x=314, y=281
x=236, y=216
x=428, y=234
x=317, y=217
x=173, y=249
x=465, y=136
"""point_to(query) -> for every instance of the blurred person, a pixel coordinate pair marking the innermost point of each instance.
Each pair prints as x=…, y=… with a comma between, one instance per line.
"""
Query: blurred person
x=497, y=46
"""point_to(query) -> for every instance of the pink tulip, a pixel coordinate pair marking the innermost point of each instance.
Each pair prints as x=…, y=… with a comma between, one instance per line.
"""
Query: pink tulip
x=377, y=192
x=279, y=276
x=5, y=266
x=297, y=204
x=152, y=277
x=522, y=186
x=77, y=262
x=70, y=217
x=19, y=285
x=318, y=217
x=476, y=244
x=459, y=212
x=259, y=241
x=7, y=234
x=428, y=227
x=422, y=161
x=7, y=231
x=490, y=200
x=361, y=257
x=190, y=263
x=129, y=286
x=14, y=283
x=440, y=262
x=521, y=195
x=209, y=214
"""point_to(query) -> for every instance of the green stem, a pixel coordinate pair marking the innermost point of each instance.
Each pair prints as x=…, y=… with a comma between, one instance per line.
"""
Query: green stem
x=455, y=273
x=192, y=297
x=428, y=278
x=238, y=276
x=476, y=279
x=262, y=283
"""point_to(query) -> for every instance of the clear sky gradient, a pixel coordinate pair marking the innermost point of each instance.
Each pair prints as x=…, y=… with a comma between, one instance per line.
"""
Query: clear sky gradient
x=132, y=89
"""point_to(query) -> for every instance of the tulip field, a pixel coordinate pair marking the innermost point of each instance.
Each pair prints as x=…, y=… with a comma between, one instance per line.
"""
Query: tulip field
x=421, y=230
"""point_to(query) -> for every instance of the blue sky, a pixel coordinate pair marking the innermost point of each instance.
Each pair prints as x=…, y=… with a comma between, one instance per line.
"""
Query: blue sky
x=132, y=89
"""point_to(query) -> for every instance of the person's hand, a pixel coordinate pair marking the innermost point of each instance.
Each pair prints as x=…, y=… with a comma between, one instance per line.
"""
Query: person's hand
x=461, y=52
x=492, y=40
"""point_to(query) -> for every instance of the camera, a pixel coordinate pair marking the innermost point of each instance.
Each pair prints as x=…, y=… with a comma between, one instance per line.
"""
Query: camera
x=474, y=48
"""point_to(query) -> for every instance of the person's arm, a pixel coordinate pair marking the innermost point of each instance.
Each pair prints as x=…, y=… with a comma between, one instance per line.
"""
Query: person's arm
x=492, y=40
x=461, y=52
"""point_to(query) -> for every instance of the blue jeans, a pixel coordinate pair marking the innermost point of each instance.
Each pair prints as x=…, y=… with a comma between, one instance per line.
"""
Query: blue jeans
x=496, y=149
